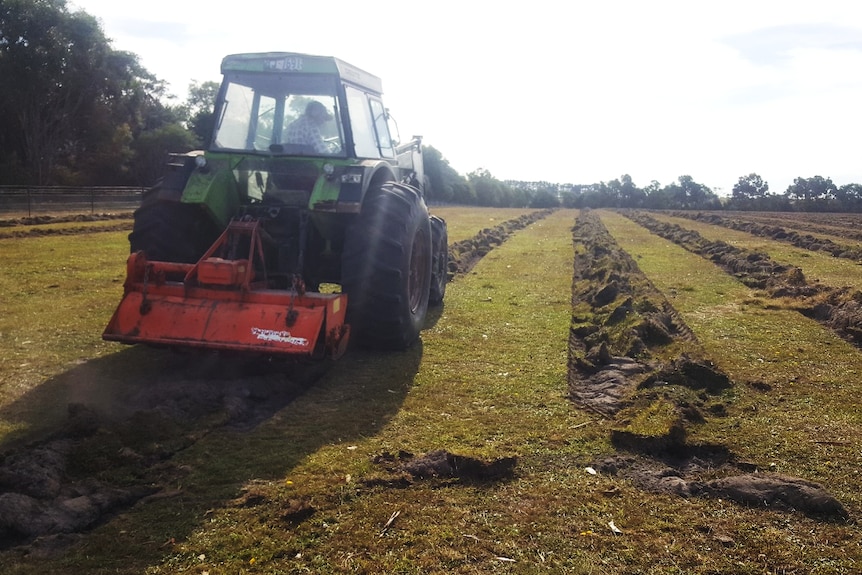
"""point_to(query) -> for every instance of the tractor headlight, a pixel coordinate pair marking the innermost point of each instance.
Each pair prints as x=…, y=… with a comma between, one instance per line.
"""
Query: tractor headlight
x=328, y=169
x=201, y=162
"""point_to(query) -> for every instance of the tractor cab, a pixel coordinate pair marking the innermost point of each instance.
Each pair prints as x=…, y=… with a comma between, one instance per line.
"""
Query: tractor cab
x=298, y=105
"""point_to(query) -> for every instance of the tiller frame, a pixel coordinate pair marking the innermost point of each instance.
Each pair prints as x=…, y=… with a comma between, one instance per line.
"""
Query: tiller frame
x=217, y=303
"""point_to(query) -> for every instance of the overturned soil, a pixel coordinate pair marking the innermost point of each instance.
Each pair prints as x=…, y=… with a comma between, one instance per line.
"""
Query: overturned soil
x=109, y=457
x=793, y=232
x=404, y=468
x=839, y=309
x=633, y=360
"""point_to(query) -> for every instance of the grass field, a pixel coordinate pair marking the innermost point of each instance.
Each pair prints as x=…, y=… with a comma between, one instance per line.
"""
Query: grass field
x=322, y=484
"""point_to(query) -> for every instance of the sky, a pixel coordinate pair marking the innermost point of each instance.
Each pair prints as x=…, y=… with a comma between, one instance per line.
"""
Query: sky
x=567, y=92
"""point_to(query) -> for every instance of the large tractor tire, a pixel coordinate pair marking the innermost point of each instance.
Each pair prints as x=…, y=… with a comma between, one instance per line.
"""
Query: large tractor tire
x=386, y=268
x=439, y=260
x=171, y=231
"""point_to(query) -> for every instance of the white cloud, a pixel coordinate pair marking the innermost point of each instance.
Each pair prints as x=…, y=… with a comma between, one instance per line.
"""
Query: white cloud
x=578, y=92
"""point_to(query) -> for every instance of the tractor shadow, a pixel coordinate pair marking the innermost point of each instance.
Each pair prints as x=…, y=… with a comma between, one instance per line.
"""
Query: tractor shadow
x=116, y=435
x=433, y=316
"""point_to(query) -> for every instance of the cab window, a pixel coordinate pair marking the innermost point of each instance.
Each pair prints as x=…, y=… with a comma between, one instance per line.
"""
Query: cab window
x=381, y=126
x=363, y=127
x=370, y=129
x=257, y=111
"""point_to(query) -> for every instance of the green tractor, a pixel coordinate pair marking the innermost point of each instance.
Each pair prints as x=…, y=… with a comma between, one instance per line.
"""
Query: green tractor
x=301, y=226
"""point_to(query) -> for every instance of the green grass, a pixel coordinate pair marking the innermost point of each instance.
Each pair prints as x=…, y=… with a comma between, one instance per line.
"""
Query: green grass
x=58, y=293
x=300, y=493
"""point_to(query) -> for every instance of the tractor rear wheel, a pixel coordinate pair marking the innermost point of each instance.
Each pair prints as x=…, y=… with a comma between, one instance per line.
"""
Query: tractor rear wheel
x=386, y=268
x=170, y=231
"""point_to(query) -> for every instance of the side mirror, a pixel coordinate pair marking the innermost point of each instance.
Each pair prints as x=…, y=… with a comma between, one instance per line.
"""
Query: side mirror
x=394, y=134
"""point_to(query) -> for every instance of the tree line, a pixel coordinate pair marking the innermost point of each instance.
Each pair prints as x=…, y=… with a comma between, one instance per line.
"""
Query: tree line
x=751, y=192
x=74, y=111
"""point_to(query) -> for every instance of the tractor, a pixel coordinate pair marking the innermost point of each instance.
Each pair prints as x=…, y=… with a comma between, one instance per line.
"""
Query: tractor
x=301, y=227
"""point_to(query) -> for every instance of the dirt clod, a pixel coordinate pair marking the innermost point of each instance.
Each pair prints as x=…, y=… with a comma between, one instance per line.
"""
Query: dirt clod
x=442, y=464
x=777, y=492
x=683, y=478
x=690, y=374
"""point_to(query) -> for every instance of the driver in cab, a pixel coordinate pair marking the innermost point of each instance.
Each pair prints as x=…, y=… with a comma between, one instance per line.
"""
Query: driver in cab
x=305, y=130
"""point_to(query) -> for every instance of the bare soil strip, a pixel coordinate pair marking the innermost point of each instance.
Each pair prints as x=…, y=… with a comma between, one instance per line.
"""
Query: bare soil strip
x=838, y=308
x=633, y=360
x=32, y=226
x=108, y=457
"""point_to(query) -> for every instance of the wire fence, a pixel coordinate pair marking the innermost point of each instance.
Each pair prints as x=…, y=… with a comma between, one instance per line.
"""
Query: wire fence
x=32, y=200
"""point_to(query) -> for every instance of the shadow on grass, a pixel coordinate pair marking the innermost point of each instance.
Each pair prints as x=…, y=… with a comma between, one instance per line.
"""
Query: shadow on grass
x=433, y=316
x=179, y=436
x=101, y=382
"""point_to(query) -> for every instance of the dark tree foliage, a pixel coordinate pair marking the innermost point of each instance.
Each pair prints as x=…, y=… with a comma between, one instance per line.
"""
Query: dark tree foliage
x=545, y=199
x=750, y=187
x=489, y=190
x=71, y=106
x=811, y=194
x=848, y=198
x=447, y=185
x=200, y=109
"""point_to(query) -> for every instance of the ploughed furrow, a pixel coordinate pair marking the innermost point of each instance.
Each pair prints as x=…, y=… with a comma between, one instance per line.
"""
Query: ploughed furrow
x=113, y=455
x=844, y=229
x=838, y=308
x=783, y=234
x=633, y=360
x=622, y=328
x=839, y=224
x=42, y=220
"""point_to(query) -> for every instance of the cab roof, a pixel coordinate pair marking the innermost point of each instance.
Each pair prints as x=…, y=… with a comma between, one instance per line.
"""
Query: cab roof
x=295, y=63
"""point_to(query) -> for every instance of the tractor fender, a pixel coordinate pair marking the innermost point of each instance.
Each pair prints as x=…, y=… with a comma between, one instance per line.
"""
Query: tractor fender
x=352, y=184
x=176, y=173
x=215, y=189
x=177, y=170
x=379, y=173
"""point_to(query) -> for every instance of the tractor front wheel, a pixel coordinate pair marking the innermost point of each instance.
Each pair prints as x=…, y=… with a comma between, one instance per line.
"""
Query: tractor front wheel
x=439, y=260
x=386, y=268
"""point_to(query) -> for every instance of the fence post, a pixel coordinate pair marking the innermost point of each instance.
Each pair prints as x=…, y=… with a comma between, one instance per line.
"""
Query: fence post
x=29, y=204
